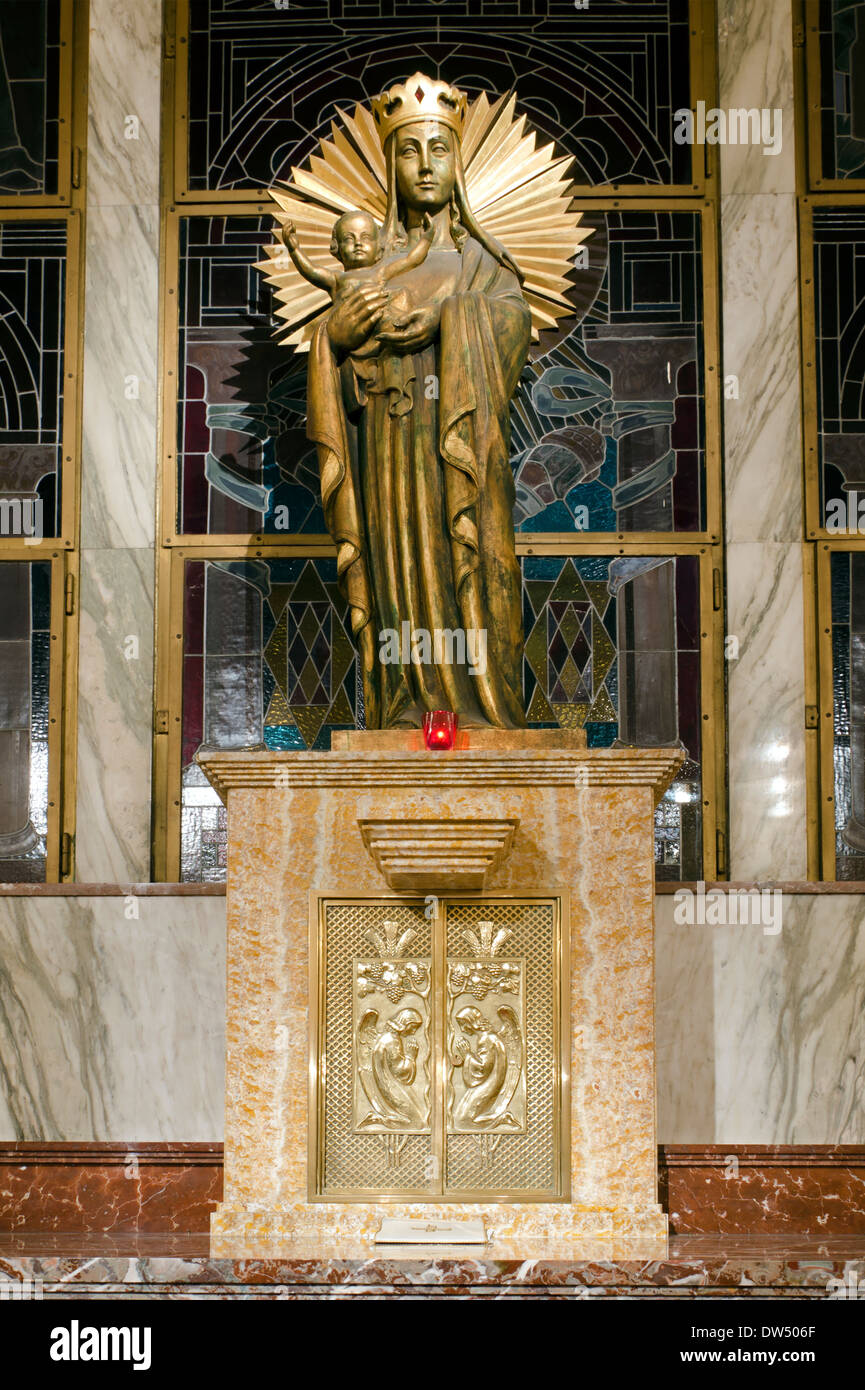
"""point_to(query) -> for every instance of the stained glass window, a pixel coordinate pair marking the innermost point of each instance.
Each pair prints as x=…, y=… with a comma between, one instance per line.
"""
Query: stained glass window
x=25, y=645
x=848, y=687
x=842, y=88
x=612, y=646
x=607, y=428
x=32, y=287
x=265, y=79
x=29, y=96
x=839, y=283
x=607, y=424
x=244, y=462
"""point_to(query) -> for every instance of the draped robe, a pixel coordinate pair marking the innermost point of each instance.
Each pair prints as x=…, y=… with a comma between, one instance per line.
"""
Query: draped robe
x=418, y=496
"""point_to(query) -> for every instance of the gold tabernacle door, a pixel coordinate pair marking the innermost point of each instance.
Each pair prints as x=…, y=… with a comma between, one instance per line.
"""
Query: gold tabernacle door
x=437, y=1048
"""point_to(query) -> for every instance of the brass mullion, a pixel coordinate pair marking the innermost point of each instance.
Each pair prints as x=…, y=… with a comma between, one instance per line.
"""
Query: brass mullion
x=812, y=705
x=808, y=366
x=826, y=708
x=438, y=1036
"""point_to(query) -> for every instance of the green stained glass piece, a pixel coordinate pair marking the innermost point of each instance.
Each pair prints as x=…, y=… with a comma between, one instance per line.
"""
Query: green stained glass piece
x=569, y=584
x=540, y=711
x=603, y=652
x=310, y=679
x=341, y=711
x=570, y=625
x=309, y=719
x=536, y=650
x=538, y=591
x=278, y=598
x=570, y=677
x=598, y=593
x=308, y=627
x=276, y=654
x=602, y=711
x=342, y=652
x=571, y=716
x=309, y=588
x=278, y=711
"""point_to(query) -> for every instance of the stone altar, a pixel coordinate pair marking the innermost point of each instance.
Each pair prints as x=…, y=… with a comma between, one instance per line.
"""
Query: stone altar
x=581, y=827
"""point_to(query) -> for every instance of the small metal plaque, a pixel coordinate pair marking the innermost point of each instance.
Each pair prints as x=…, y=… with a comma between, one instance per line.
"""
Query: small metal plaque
x=394, y=1231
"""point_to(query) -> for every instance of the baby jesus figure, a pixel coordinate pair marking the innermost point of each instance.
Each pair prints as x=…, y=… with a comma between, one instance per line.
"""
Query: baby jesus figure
x=357, y=246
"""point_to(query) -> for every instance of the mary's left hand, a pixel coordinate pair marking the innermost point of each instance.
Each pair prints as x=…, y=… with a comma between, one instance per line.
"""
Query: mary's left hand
x=417, y=331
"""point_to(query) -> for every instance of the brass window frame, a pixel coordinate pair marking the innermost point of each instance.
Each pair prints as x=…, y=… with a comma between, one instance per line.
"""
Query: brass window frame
x=63, y=551
x=73, y=356
x=62, y=707
x=72, y=86
x=174, y=547
x=819, y=544
x=702, y=23
x=318, y=902
x=168, y=687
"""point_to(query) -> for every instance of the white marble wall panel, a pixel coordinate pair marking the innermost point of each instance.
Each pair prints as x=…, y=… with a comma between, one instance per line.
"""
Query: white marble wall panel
x=762, y=430
x=755, y=69
x=124, y=81
x=112, y=1026
x=762, y=453
x=119, y=458
x=118, y=485
x=783, y=1058
x=115, y=716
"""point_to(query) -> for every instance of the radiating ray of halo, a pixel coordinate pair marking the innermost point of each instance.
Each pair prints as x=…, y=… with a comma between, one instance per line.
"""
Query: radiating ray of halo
x=520, y=193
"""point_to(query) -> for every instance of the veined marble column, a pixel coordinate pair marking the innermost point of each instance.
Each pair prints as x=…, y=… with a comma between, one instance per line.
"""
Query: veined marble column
x=118, y=495
x=763, y=453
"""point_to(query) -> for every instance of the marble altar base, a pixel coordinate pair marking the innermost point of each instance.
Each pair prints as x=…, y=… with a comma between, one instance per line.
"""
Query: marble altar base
x=584, y=827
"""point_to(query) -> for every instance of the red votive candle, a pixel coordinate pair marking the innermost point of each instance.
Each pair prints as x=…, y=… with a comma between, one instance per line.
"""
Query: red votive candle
x=439, y=728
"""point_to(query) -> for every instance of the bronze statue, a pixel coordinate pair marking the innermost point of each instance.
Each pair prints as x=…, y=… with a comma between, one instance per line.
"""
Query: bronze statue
x=409, y=393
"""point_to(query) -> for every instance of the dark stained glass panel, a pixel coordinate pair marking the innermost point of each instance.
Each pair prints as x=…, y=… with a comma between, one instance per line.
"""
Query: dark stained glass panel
x=25, y=647
x=266, y=79
x=32, y=287
x=839, y=284
x=268, y=660
x=608, y=427
x=29, y=96
x=842, y=88
x=848, y=685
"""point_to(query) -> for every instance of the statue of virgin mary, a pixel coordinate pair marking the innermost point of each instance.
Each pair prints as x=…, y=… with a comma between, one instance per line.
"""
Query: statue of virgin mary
x=410, y=383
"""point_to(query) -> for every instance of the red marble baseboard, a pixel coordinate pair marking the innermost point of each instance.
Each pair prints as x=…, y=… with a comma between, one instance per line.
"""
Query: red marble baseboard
x=763, y=1189
x=706, y=1189
x=109, y=1187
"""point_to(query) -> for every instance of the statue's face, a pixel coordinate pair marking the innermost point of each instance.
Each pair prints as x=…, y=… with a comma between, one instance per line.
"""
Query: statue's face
x=356, y=236
x=425, y=165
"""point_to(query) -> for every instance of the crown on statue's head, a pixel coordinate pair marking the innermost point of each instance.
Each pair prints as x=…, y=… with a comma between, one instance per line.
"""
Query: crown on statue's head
x=419, y=98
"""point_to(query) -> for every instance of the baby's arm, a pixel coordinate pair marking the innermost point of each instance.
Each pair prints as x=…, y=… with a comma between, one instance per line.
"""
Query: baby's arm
x=325, y=279
x=416, y=256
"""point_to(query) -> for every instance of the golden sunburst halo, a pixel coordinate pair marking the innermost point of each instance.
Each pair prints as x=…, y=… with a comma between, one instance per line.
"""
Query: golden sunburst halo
x=518, y=191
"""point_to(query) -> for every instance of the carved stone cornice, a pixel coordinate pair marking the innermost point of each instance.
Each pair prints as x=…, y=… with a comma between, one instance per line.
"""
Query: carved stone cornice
x=437, y=856
x=242, y=770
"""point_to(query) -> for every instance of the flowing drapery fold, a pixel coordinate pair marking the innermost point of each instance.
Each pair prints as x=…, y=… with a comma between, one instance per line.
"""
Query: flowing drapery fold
x=418, y=496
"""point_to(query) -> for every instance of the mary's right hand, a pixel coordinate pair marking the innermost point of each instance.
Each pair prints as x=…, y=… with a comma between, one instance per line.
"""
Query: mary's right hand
x=356, y=315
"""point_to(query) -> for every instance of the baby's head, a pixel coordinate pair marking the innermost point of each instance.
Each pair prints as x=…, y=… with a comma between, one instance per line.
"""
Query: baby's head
x=355, y=240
